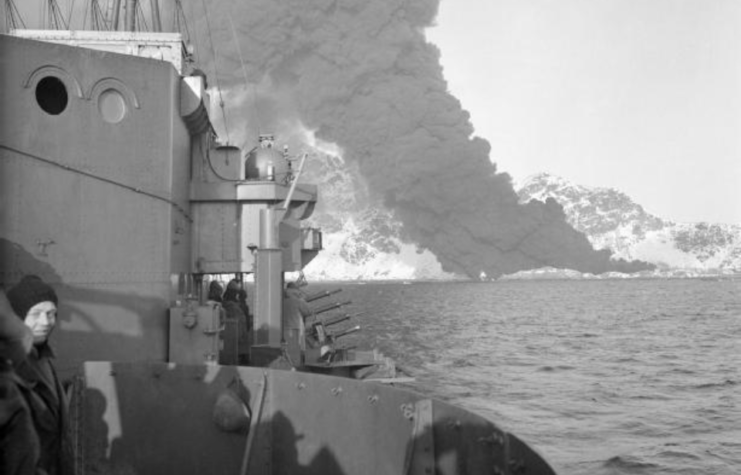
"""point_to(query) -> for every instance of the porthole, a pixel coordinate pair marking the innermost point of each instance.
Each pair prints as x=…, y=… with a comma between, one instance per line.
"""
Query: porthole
x=112, y=106
x=51, y=95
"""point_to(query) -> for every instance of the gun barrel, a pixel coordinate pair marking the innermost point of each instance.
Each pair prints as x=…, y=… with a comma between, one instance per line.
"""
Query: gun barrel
x=347, y=332
x=335, y=320
x=322, y=294
x=330, y=306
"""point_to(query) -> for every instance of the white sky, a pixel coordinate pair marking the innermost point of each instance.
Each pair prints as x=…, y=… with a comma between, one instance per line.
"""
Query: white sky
x=639, y=95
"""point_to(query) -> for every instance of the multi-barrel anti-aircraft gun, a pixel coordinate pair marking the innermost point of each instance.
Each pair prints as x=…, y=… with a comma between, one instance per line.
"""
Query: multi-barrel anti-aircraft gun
x=320, y=334
x=325, y=354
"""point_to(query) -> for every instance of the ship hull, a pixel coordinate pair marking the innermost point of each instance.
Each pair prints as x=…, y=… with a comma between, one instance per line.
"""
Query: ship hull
x=164, y=418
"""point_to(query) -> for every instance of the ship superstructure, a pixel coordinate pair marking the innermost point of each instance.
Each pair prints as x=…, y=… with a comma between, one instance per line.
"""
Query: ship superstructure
x=122, y=147
x=115, y=190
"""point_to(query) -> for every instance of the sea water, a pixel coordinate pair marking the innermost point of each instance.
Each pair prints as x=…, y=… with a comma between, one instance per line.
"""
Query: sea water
x=599, y=376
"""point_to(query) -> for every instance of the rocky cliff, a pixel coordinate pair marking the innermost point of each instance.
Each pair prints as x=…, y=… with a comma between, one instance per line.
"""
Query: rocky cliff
x=363, y=241
x=610, y=219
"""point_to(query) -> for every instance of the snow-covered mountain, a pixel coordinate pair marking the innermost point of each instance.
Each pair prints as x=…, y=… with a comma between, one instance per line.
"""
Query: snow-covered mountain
x=610, y=219
x=362, y=241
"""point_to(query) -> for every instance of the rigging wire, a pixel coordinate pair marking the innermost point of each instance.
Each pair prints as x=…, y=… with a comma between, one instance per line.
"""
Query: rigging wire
x=176, y=23
x=179, y=26
x=155, y=11
x=98, y=18
x=197, y=47
x=12, y=16
x=216, y=72
x=140, y=17
x=69, y=13
x=56, y=18
x=82, y=172
x=90, y=5
x=244, y=76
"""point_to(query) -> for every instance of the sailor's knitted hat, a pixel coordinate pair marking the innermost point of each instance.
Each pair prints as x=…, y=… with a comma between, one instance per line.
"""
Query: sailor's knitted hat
x=31, y=290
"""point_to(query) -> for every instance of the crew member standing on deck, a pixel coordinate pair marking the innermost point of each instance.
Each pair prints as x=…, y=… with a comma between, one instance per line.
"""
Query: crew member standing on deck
x=35, y=302
x=218, y=320
x=215, y=292
x=237, y=309
x=295, y=312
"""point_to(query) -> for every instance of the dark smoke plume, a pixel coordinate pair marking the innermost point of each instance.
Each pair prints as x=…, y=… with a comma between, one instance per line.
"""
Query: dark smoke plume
x=361, y=74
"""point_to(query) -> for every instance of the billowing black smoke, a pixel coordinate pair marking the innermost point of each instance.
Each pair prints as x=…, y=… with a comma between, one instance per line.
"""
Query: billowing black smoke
x=362, y=75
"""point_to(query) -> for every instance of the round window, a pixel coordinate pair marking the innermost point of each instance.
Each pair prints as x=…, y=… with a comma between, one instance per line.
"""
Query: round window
x=51, y=95
x=112, y=106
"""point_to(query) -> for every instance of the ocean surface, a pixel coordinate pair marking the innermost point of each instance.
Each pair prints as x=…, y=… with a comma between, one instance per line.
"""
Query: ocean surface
x=599, y=376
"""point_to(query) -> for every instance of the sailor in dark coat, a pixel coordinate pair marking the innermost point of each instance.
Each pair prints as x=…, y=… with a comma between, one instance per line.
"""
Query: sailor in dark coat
x=36, y=302
x=19, y=444
x=235, y=305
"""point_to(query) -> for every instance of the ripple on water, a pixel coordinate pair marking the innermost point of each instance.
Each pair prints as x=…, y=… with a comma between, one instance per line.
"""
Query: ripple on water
x=602, y=377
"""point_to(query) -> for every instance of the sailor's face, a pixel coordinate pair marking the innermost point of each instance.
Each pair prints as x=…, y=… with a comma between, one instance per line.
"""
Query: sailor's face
x=41, y=319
